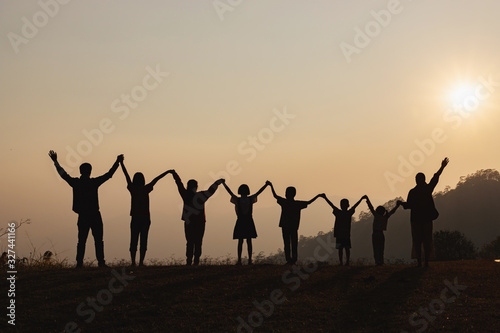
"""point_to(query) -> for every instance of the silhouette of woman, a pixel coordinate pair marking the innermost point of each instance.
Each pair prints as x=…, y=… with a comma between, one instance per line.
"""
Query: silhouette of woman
x=245, y=226
x=139, y=211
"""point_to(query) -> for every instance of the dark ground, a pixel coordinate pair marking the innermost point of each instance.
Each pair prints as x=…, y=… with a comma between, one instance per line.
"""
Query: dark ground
x=212, y=298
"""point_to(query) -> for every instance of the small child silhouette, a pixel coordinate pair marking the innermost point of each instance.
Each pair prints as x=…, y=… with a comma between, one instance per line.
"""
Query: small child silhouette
x=380, y=219
x=290, y=219
x=342, y=228
x=245, y=226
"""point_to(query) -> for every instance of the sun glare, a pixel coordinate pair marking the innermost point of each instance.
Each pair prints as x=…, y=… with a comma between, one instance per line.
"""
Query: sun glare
x=463, y=96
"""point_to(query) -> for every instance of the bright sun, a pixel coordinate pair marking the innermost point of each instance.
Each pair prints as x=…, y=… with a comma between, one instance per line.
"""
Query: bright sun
x=463, y=95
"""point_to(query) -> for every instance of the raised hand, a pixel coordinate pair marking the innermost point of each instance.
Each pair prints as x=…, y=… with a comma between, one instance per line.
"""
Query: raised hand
x=445, y=162
x=120, y=158
x=53, y=155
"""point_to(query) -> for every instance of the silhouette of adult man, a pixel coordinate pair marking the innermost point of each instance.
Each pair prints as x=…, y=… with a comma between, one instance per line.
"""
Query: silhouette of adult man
x=423, y=212
x=86, y=205
x=193, y=215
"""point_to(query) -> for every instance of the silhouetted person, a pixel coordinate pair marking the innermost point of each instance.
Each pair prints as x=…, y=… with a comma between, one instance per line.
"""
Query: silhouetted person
x=139, y=211
x=245, y=226
x=193, y=215
x=290, y=220
x=380, y=219
x=86, y=205
x=342, y=228
x=423, y=212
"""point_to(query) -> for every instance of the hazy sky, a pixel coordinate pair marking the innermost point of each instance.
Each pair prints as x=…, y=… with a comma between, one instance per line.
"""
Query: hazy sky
x=340, y=97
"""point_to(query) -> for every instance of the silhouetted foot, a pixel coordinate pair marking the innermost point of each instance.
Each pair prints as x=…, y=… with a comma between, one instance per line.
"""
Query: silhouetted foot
x=132, y=264
x=347, y=263
x=250, y=262
x=238, y=263
x=102, y=265
x=341, y=264
x=79, y=266
x=141, y=264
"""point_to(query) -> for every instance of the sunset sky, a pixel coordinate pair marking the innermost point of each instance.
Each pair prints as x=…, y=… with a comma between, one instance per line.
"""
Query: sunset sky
x=342, y=97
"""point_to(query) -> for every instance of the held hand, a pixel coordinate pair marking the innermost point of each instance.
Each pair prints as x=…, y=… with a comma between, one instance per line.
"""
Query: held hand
x=120, y=158
x=268, y=183
x=445, y=162
x=364, y=197
x=53, y=155
x=220, y=181
x=399, y=202
x=171, y=171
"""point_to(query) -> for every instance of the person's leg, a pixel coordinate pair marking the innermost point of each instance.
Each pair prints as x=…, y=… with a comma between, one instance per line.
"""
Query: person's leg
x=341, y=260
x=200, y=231
x=240, y=249
x=98, y=233
x=188, y=232
x=294, y=238
x=134, y=238
x=347, y=256
x=375, y=248
x=382, y=247
x=427, y=241
x=249, y=247
x=144, y=239
x=417, y=241
x=83, y=232
x=286, y=244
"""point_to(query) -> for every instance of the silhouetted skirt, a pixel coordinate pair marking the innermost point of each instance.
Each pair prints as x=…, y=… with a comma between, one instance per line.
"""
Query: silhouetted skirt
x=244, y=228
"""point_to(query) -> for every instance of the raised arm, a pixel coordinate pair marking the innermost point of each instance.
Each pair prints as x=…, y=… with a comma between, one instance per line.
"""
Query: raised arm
x=357, y=203
x=435, y=178
x=392, y=211
x=260, y=190
x=329, y=202
x=178, y=182
x=127, y=177
x=228, y=189
x=272, y=190
x=214, y=186
x=64, y=175
x=314, y=199
x=154, y=181
x=370, y=206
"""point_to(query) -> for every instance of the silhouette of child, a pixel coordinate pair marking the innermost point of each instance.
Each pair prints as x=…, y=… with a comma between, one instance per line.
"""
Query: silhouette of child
x=342, y=228
x=139, y=211
x=193, y=215
x=245, y=226
x=380, y=219
x=289, y=220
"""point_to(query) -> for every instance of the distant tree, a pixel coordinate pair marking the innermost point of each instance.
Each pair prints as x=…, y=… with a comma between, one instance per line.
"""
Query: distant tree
x=453, y=245
x=491, y=250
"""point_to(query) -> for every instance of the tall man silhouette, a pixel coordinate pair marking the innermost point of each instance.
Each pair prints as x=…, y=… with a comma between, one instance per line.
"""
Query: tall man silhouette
x=423, y=212
x=86, y=205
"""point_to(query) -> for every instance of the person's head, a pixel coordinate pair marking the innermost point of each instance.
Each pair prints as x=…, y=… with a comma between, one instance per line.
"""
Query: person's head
x=85, y=169
x=380, y=210
x=344, y=204
x=138, y=179
x=420, y=178
x=244, y=190
x=192, y=185
x=290, y=192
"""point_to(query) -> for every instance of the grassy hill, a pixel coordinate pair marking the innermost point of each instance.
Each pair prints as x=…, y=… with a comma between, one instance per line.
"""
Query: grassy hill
x=263, y=298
